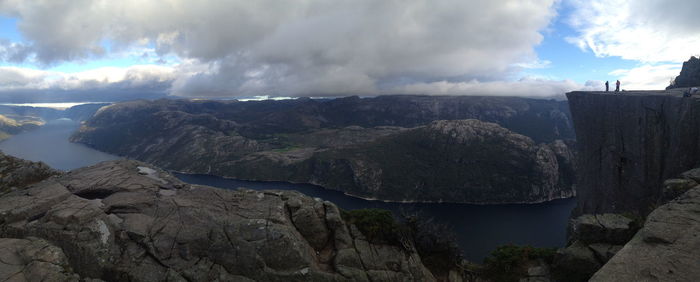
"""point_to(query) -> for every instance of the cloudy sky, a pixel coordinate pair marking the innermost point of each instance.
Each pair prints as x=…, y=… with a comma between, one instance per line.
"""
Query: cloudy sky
x=68, y=50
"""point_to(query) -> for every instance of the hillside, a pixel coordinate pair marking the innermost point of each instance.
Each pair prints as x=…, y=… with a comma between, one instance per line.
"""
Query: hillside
x=391, y=148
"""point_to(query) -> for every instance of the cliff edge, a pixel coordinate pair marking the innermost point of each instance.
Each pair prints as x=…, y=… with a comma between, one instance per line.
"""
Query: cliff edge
x=127, y=221
x=629, y=143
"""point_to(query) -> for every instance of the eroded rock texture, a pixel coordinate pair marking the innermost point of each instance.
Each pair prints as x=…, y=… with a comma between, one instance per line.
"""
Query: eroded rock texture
x=16, y=173
x=667, y=248
x=126, y=221
x=629, y=144
x=398, y=148
x=33, y=259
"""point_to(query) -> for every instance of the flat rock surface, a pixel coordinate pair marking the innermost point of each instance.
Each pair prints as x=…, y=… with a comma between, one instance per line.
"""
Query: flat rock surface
x=603, y=228
x=127, y=221
x=667, y=248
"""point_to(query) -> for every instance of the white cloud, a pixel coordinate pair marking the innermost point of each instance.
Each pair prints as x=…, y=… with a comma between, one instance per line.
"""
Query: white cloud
x=538, y=64
x=16, y=78
x=292, y=48
x=647, y=77
x=648, y=31
x=529, y=87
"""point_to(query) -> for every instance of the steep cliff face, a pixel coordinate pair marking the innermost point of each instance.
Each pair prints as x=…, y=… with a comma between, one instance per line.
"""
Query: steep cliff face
x=629, y=144
x=126, y=221
x=455, y=161
x=389, y=148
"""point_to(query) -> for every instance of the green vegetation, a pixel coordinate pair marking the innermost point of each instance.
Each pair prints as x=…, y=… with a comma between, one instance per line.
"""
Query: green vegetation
x=510, y=262
x=378, y=225
x=435, y=243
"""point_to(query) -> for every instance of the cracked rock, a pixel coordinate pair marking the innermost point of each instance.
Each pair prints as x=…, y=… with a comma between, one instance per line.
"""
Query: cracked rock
x=112, y=222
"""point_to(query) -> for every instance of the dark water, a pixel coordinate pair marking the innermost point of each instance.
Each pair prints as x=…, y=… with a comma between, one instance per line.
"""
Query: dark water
x=479, y=228
x=50, y=144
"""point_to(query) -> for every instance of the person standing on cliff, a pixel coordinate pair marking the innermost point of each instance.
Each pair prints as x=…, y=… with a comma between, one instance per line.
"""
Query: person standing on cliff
x=617, y=86
x=607, y=86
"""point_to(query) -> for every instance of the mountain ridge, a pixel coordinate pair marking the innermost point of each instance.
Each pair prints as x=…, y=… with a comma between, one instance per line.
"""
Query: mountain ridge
x=326, y=143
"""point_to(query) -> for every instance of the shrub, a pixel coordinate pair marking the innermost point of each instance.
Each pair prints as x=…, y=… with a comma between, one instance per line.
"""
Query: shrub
x=509, y=262
x=378, y=225
x=435, y=243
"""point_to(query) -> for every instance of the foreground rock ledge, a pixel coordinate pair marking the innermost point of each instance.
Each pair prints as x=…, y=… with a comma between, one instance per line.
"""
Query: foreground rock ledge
x=666, y=249
x=126, y=221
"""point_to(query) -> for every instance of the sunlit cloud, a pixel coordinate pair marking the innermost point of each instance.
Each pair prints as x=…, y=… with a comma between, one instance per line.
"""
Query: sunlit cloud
x=647, y=77
x=646, y=31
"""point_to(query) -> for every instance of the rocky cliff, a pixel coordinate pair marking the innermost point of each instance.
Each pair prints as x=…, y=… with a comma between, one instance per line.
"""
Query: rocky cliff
x=629, y=143
x=127, y=221
x=390, y=148
x=16, y=173
x=635, y=148
x=689, y=76
x=453, y=161
x=667, y=248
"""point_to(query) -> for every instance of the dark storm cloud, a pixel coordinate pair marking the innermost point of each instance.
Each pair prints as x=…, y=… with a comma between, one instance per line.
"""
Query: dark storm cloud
x=233, y=48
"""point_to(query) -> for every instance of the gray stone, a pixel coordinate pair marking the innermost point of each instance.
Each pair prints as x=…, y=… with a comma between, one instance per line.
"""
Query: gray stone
x=33, y=259
x=673, y=188
x=540, y=270
x=603, y=228
x=693, y=174
x=575, y=263
x=667, y=248
x=111, y=222
x=16, y=172
x=604, y=252
x=628, y=144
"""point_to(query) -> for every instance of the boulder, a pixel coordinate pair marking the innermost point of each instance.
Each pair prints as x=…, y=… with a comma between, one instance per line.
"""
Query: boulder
x=604, y=252
x=15, y=173
x=576, y=262
x=667, y=248
x=33, y=259
x=693, y=174
x=673, y=188
x=113, y=223
x=603, y=228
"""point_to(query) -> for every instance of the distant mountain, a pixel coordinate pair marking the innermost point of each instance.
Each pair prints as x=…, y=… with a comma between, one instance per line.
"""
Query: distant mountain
x=11, y=125
x=403, y=148
x=17, y=119
x=44, y=114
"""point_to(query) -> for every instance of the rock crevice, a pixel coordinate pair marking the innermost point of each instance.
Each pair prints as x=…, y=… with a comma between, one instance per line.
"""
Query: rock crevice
x=113, y=223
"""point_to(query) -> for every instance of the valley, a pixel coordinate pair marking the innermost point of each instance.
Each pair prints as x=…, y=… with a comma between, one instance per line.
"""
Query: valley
x=485, y=150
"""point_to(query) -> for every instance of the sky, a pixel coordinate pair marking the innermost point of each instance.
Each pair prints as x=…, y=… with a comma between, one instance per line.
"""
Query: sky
x=102, y=50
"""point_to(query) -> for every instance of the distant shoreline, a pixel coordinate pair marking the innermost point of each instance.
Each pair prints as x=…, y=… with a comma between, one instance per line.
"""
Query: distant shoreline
x=375, y=199
x=57, y=106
